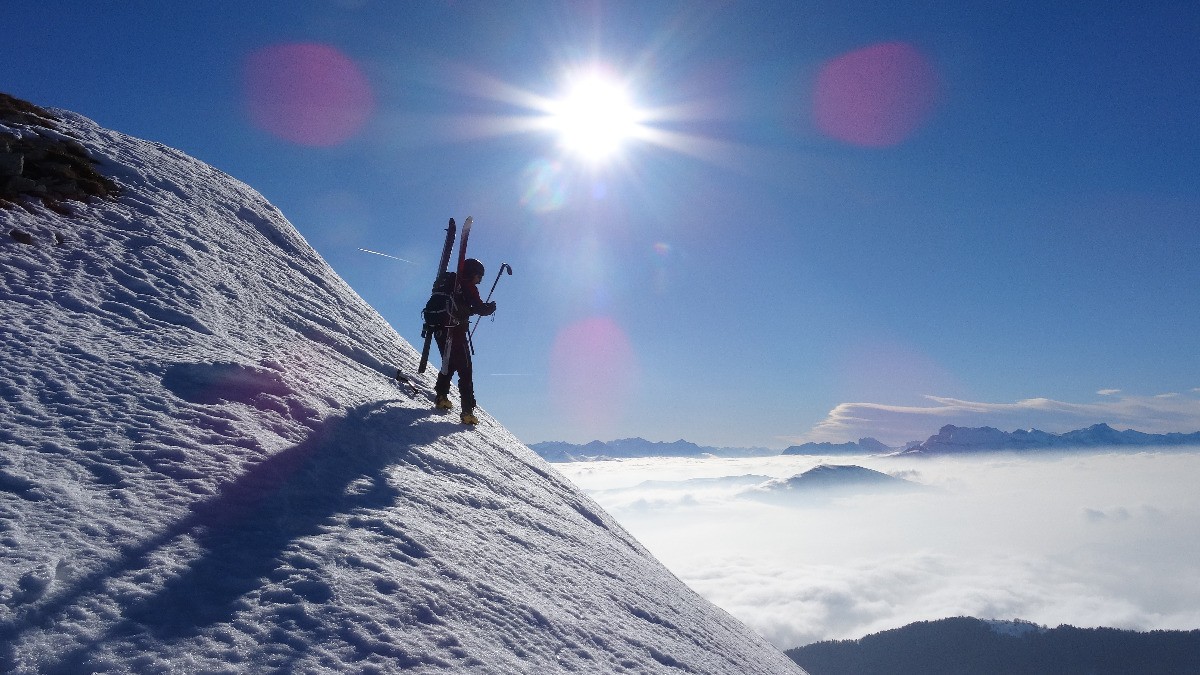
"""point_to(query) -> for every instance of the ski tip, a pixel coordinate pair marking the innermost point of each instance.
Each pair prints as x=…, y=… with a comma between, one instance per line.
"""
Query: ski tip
x=469, y=220
x=451, y=222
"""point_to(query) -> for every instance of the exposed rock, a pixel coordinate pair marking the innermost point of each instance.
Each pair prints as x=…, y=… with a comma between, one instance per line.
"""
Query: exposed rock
x=11, y=163
x=42, y=164
x=13, y=109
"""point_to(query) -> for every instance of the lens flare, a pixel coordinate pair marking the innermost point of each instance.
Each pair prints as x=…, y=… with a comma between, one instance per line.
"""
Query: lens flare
x=876, y=96
x=544, y=186
x=309, y=94
x=593, y=372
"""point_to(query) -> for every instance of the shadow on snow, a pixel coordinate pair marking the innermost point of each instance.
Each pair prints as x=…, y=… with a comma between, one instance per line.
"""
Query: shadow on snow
x=243, y=530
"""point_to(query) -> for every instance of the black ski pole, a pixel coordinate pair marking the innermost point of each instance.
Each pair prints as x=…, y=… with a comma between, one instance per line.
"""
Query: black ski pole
x=504, y=267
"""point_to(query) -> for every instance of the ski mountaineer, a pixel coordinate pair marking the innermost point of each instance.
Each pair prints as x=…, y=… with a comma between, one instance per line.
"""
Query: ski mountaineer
x=467, y=303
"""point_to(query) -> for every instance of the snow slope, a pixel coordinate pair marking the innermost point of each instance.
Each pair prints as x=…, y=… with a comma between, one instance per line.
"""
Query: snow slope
x=206, y=467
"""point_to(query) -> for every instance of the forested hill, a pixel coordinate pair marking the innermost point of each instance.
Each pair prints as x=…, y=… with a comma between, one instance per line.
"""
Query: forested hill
x=967, y=645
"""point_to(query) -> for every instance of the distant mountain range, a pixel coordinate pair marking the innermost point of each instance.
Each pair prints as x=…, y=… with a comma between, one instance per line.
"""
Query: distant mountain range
x=958, y=440
x=864, y=446
x=948, y=440
x=558, y=451
x=968, y=645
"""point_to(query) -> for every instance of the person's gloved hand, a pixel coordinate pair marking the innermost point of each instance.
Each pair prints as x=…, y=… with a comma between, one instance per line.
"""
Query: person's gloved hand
x=489, y=308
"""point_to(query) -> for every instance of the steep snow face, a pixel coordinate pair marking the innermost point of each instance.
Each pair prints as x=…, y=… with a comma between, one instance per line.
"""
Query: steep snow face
x=205, y=466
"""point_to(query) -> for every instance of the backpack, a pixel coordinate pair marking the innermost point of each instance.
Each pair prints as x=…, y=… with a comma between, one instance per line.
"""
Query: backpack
x=441, y=310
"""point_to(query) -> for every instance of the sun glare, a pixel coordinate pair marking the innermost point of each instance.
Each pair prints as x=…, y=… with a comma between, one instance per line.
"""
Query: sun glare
x=594, y=117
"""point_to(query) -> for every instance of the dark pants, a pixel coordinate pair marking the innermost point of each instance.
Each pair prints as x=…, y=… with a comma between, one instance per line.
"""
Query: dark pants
x=458, y=360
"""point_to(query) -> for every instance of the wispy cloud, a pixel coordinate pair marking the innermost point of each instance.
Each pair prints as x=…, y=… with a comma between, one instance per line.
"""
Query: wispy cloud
x=895, y=425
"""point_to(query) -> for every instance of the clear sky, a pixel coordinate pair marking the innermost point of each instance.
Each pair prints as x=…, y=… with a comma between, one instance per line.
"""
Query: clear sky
x=809, y=220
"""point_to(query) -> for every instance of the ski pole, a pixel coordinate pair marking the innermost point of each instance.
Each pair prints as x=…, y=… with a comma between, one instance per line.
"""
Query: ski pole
x=504, y=267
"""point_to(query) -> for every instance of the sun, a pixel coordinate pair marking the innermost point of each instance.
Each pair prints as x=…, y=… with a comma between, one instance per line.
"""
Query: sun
x=594, y=117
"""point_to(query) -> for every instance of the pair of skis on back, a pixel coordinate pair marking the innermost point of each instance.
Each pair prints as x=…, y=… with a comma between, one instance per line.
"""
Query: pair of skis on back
x=447, y=248
x=445, y=261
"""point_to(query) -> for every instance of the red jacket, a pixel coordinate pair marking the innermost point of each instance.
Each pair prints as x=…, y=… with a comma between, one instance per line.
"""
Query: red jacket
x=469, y=304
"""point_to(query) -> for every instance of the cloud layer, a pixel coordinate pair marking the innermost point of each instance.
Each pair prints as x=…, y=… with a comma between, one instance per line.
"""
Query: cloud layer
x=1095, y=540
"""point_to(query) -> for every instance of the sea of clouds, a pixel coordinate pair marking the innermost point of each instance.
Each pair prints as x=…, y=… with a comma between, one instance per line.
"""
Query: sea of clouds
x=1102, y=539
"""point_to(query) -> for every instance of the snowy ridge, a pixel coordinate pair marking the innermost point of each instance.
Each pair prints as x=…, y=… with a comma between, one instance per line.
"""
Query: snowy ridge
x=205, y=466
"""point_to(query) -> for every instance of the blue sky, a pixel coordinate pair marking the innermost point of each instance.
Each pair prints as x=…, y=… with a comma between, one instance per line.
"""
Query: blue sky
x=836, y=219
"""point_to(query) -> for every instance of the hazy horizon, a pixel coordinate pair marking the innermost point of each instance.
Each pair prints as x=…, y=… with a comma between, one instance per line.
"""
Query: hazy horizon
x=921, y=439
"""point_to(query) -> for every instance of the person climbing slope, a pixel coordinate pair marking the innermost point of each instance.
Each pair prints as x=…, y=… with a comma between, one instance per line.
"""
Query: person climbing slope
x=467, y=303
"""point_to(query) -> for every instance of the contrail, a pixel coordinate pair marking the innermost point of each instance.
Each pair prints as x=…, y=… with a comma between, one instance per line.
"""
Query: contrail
x=367, y=250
